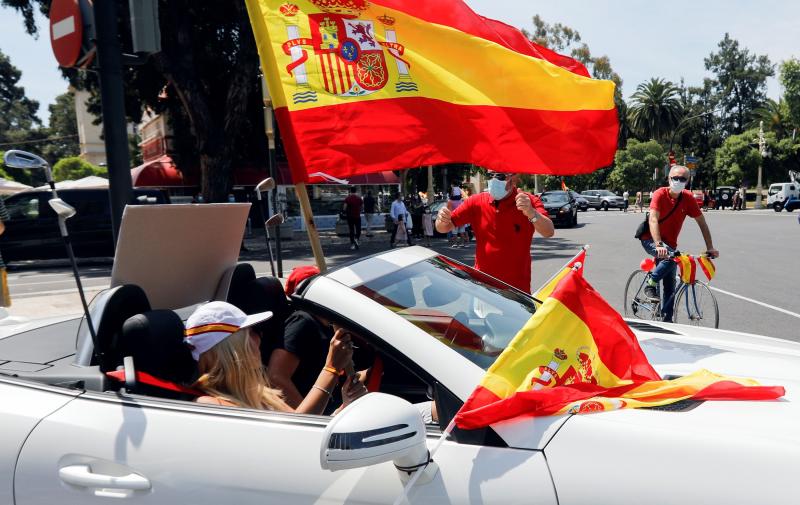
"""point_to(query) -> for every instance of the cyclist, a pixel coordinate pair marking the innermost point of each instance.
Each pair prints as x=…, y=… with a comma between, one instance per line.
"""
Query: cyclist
x=668, y=209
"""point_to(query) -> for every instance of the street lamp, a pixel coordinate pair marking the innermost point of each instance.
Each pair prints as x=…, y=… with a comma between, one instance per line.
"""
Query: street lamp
x=762, y=150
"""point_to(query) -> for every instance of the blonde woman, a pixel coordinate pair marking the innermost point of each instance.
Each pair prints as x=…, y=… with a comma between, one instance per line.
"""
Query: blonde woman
x=226, y=348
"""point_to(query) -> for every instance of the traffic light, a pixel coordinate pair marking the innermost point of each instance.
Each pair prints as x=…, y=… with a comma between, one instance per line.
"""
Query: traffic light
x=145, y=30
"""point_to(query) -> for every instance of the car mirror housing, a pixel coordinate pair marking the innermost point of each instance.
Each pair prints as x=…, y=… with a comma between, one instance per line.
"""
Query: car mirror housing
x=376, y=428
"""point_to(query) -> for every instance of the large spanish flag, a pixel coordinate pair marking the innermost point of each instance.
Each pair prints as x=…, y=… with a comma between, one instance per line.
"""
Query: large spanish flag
x=576, y=355
x=363, y=86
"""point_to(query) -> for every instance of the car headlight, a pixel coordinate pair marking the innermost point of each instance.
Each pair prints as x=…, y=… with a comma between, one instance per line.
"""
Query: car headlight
x=563, y=209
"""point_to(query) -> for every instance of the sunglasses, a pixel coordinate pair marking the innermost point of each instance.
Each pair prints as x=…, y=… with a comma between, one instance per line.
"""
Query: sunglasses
x=679, y=179
x=500, y=176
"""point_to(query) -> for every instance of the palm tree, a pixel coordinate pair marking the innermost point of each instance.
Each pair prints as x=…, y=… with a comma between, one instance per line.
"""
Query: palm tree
x=655, y=109
x=775, y=116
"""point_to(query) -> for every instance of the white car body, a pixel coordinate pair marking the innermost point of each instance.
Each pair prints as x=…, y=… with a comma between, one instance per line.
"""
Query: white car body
x=780, y=192
x=74, y=445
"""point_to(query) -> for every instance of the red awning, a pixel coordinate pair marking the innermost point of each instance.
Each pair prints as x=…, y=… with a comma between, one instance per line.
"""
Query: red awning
x=159, y=173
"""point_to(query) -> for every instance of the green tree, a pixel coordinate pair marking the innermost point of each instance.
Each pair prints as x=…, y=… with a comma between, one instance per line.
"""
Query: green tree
x=740, y=83
x=17, y=112
x=790, y=80
x=775, y=116
x=738, y=158
x=205, y=77
x=634, y=166
x=655, y=109
x=63, y=129
x=74, y=168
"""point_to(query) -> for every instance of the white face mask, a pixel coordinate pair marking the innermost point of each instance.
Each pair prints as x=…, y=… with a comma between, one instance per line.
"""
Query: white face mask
x=497, y=189
x=676, y=187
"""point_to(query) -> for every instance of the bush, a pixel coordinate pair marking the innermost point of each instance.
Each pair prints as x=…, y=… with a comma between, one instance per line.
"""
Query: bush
x=75, y=168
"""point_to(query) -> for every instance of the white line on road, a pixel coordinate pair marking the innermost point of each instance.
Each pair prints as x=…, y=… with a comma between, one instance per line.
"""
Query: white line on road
x=87, y=289
x=788, y=312
x=20, y=285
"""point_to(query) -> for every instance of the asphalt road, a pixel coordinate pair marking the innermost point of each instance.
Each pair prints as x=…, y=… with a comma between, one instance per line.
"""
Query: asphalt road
x=757, y=282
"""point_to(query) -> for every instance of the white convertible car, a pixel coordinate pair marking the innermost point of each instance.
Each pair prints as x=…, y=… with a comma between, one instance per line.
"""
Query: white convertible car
x=78, y=426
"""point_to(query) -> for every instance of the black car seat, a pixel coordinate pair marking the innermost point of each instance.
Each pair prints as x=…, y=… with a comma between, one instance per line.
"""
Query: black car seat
x=119, y=304
x=162, y=364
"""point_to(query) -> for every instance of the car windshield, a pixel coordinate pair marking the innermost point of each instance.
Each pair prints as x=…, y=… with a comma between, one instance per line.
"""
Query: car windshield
x=554, y=198
x=465, y=309
x=774, y=190
x=607, y=193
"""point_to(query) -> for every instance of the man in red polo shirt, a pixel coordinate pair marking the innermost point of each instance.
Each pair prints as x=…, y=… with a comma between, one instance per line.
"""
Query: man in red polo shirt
x=665, y=226
x=503, y=220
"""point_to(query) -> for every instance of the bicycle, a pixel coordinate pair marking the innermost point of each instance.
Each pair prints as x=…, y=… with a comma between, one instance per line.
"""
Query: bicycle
x=694, y=302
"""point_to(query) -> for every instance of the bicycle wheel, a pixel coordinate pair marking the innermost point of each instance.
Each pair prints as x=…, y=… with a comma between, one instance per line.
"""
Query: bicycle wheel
x=635, y=303
x=696, y=305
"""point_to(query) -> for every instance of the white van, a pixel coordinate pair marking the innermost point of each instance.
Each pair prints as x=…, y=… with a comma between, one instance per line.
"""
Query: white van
x=780, y=192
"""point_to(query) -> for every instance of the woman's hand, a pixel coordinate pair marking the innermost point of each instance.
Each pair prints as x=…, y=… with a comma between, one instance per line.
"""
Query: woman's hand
x=340, y=351
x=352, y=390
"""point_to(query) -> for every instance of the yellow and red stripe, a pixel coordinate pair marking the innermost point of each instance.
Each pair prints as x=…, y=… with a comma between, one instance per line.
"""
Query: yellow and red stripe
x=576, y=355
x=473, y=90
x=687, y=267
x=208, y=328
x=707, y=266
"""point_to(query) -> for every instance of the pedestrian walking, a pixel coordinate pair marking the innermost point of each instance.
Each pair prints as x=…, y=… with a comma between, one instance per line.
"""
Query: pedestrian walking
x=454, y=201
x=638, y=202
x=427, y=225
x=706, y=198
x=625, y=197
x=742, y=197
x=352, y=208
x=400, y=217
x=504, y=220
x=369, y=210
x=736, y=202
x=5, y=297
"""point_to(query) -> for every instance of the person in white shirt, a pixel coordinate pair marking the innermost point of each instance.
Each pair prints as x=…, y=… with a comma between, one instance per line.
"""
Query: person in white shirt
x=625, y=196
x=399, y=215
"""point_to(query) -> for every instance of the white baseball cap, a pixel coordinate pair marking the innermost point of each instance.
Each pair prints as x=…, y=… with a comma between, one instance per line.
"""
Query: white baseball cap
x=213, y=322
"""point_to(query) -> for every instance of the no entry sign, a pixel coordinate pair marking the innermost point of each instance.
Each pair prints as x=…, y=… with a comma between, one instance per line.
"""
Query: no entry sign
x=66, y=31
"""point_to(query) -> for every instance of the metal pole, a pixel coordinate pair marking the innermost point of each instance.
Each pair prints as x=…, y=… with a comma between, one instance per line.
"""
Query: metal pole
x=112, y=97
x=762, y=150
x=269, y=129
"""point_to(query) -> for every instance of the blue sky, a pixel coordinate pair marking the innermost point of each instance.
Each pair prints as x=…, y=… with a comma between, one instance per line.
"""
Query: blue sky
x=642, y=38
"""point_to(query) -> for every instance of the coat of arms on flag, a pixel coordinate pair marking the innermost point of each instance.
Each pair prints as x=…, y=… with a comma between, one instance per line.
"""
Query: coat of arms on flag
x=348, y=53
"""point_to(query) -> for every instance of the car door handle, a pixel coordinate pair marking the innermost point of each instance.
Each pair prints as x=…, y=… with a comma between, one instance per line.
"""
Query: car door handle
x=81, y=475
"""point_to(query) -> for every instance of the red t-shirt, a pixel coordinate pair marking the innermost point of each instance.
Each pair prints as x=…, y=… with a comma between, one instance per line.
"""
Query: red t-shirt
x=354, y=205
x=671, y=228
x=503, y=235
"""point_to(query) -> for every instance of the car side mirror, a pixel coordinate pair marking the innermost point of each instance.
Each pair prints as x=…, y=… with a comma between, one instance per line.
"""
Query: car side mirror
x=374, y=429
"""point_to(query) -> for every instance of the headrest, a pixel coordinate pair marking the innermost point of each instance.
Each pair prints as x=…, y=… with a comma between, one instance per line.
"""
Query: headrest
x=155, y=340
x=120, y=304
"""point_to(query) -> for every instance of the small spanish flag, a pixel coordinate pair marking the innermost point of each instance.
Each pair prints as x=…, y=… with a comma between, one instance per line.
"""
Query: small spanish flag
x=576, y=355
x=365, y=86
x=707, y=266
x=687, y=267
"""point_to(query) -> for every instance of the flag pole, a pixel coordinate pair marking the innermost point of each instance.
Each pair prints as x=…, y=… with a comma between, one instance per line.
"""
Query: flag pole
x=269, y=129
x=311, y=228
x=584, y=248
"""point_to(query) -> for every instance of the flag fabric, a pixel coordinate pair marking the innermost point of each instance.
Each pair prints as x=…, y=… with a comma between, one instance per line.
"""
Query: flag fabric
x=576, y=263
x=707, y=266
x=365, y=86
x=687, y=268
x=687, y=265
x=576, y=355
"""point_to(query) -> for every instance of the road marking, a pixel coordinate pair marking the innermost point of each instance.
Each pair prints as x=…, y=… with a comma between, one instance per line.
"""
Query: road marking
x=788, y=312
x=63, y=28
x=71, y=279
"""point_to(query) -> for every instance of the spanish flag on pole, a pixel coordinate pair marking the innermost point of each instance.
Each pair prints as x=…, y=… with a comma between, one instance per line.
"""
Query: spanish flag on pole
x=576, y=355
x=361, y=86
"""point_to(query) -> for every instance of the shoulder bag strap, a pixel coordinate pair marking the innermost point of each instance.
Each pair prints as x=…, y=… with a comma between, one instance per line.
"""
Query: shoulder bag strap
x=677, y=203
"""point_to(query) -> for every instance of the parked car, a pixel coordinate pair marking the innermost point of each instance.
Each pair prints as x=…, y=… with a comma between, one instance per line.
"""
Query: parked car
x=724, y=196
x=562, y=207
x=72, y=435
x=32, y=232
x=583, y=203
x=603, y=199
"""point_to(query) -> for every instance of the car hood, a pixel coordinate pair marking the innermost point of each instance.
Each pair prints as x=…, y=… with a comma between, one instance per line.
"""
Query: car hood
x=676, y=350
x=739, y=451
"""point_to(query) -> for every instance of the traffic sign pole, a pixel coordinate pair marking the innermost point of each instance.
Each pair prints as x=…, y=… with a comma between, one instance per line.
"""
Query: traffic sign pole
x=112, y=96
